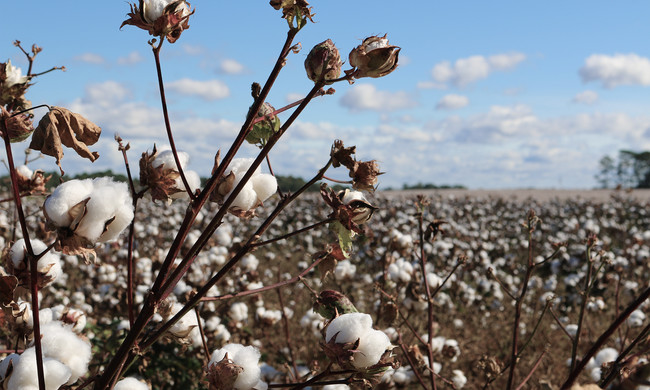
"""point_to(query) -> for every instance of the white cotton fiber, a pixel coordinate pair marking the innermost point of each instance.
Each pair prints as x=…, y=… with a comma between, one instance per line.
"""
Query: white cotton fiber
x=24, y=171
x=130, y=383
x=238, y=311
x=349, y=327
x=245, y=357
x=259, y=188
x=166, y=159
x=264, y=185
x=65, y=196
x=184, y=326
x=61, y=343
x=109, y=202
x=25, y=375
x=49, y=264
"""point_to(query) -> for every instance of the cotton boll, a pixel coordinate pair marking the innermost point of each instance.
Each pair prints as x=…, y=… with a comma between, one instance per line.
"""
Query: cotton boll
x=246, y=199
x=344, y=269
x=245, y=357
x=185, y=324
x=109, y=200
x=238, y=311
x=64, y=197
x=606, y=355
x=264, y=185
x=130, y=383
x=24, y=171
x=24, y=375
x=249, y=262
x=458, y=379
x=350, y=327
x=61, y=343
x=636, y=319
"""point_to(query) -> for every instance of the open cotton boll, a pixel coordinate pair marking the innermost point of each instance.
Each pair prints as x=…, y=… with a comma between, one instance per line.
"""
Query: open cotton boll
x=166, y=159
x=636, y=319
x=18, y=249
x=247, y=357
x=49, y=265
x=264, y=185
x=61, y=343
x=108, y=212
x=183, y=327
x=108, y=200
x=24, y=375
x=458, y=379
x=351, y=327
x=130, y=383
x=66, y=195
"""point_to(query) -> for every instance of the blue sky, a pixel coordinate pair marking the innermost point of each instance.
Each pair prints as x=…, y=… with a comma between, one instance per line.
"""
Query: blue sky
x=502, y=94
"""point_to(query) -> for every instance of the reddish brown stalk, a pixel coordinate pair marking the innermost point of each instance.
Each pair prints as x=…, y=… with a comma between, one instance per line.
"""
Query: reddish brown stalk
x=170, y=135
x=260, y=290
x=299, y=231
x=573, y=375
x=337, y=181
x=430, y=308
x=287, y=333
x=514, y=355
x=33, y=259
x=616, y=366
x=414, y=366
x=532, y=370
x=206, y=350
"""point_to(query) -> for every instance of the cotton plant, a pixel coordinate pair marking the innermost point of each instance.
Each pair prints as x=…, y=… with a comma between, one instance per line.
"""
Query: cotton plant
x=48, y=265
x=86, y=212
x=131, y=383
x=235, y=366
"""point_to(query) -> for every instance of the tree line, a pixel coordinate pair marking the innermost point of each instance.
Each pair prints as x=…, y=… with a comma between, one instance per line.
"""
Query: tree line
x=627, y=170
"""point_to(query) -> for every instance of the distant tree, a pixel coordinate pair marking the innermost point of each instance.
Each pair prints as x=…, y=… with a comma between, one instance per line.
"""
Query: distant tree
x=631, y=170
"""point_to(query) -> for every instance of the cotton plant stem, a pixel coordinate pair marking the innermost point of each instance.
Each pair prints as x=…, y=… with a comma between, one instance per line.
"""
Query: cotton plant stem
x=296, y=232
x=204, y=342
x=414, y=368
x=532, y=370
x=583, y=306
x=430, y=308
x=270, y=287
x=614, y=372
x=113, y=369
x=514, y=355
x=32, y=258
x=170, y=135
x=287, y=333
x=131, y=237
x=573, y=375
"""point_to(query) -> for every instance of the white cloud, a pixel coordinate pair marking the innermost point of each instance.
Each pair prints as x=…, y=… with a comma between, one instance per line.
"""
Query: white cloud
x=294, y=97
x=619, y=69
x=586, y=97
x=467, y=70
x=452, y=102
x=230, y=66
x=133, y=58
x=205, y=89
x=106, y=93
x=91, y=58
x=366, y=97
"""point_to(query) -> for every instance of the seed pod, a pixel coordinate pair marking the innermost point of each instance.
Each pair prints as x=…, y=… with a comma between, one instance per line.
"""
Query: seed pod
x=323, y=62
x=374, y=57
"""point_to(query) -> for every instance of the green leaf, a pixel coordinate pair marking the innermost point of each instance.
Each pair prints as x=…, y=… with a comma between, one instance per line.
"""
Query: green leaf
x=344, y=235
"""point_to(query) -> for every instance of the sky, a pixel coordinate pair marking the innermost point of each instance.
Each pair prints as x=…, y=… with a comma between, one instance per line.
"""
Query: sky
x=498, y=94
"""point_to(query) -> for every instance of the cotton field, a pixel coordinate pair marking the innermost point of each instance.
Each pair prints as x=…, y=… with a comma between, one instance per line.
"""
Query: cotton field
x=558, y=270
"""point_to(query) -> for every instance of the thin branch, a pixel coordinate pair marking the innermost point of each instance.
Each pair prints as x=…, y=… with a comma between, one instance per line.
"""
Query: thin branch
x=296, y=232
x=532, y=370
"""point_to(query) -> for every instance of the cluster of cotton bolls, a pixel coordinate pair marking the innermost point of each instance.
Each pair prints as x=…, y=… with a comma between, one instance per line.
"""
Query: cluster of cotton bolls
x=357, y=327
x=48, y=266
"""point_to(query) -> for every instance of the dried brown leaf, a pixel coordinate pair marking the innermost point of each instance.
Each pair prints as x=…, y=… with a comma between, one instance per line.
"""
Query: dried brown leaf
x=62, y=127
x=8, y=285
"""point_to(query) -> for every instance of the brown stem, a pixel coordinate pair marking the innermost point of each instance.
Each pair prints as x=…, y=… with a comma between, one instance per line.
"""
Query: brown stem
x=260, y=290
x=131, y=237
x=514, y=355
x=33, y=259
x=400, y=342
x=170, y=135
x=287, y=333
x=615, y=370
x=583, y=306
x=337, y=181
x=604, y=336
x=427, y=289
x=532, y=370
x=206, y=350
x=296, y=232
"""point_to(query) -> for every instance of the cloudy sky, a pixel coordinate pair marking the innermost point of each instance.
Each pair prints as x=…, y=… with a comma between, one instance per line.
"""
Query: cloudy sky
x=498, y=94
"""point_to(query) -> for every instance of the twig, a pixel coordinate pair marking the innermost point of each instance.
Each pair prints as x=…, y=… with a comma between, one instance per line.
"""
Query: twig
x=206, y=350
x=296, y=232
x=583, y=304
x=573, y=375
x=532, y=370
x=287, y=334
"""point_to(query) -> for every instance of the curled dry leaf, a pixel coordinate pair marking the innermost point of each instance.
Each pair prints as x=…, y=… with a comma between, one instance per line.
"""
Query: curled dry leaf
x=63, y=127
x=8, y=285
